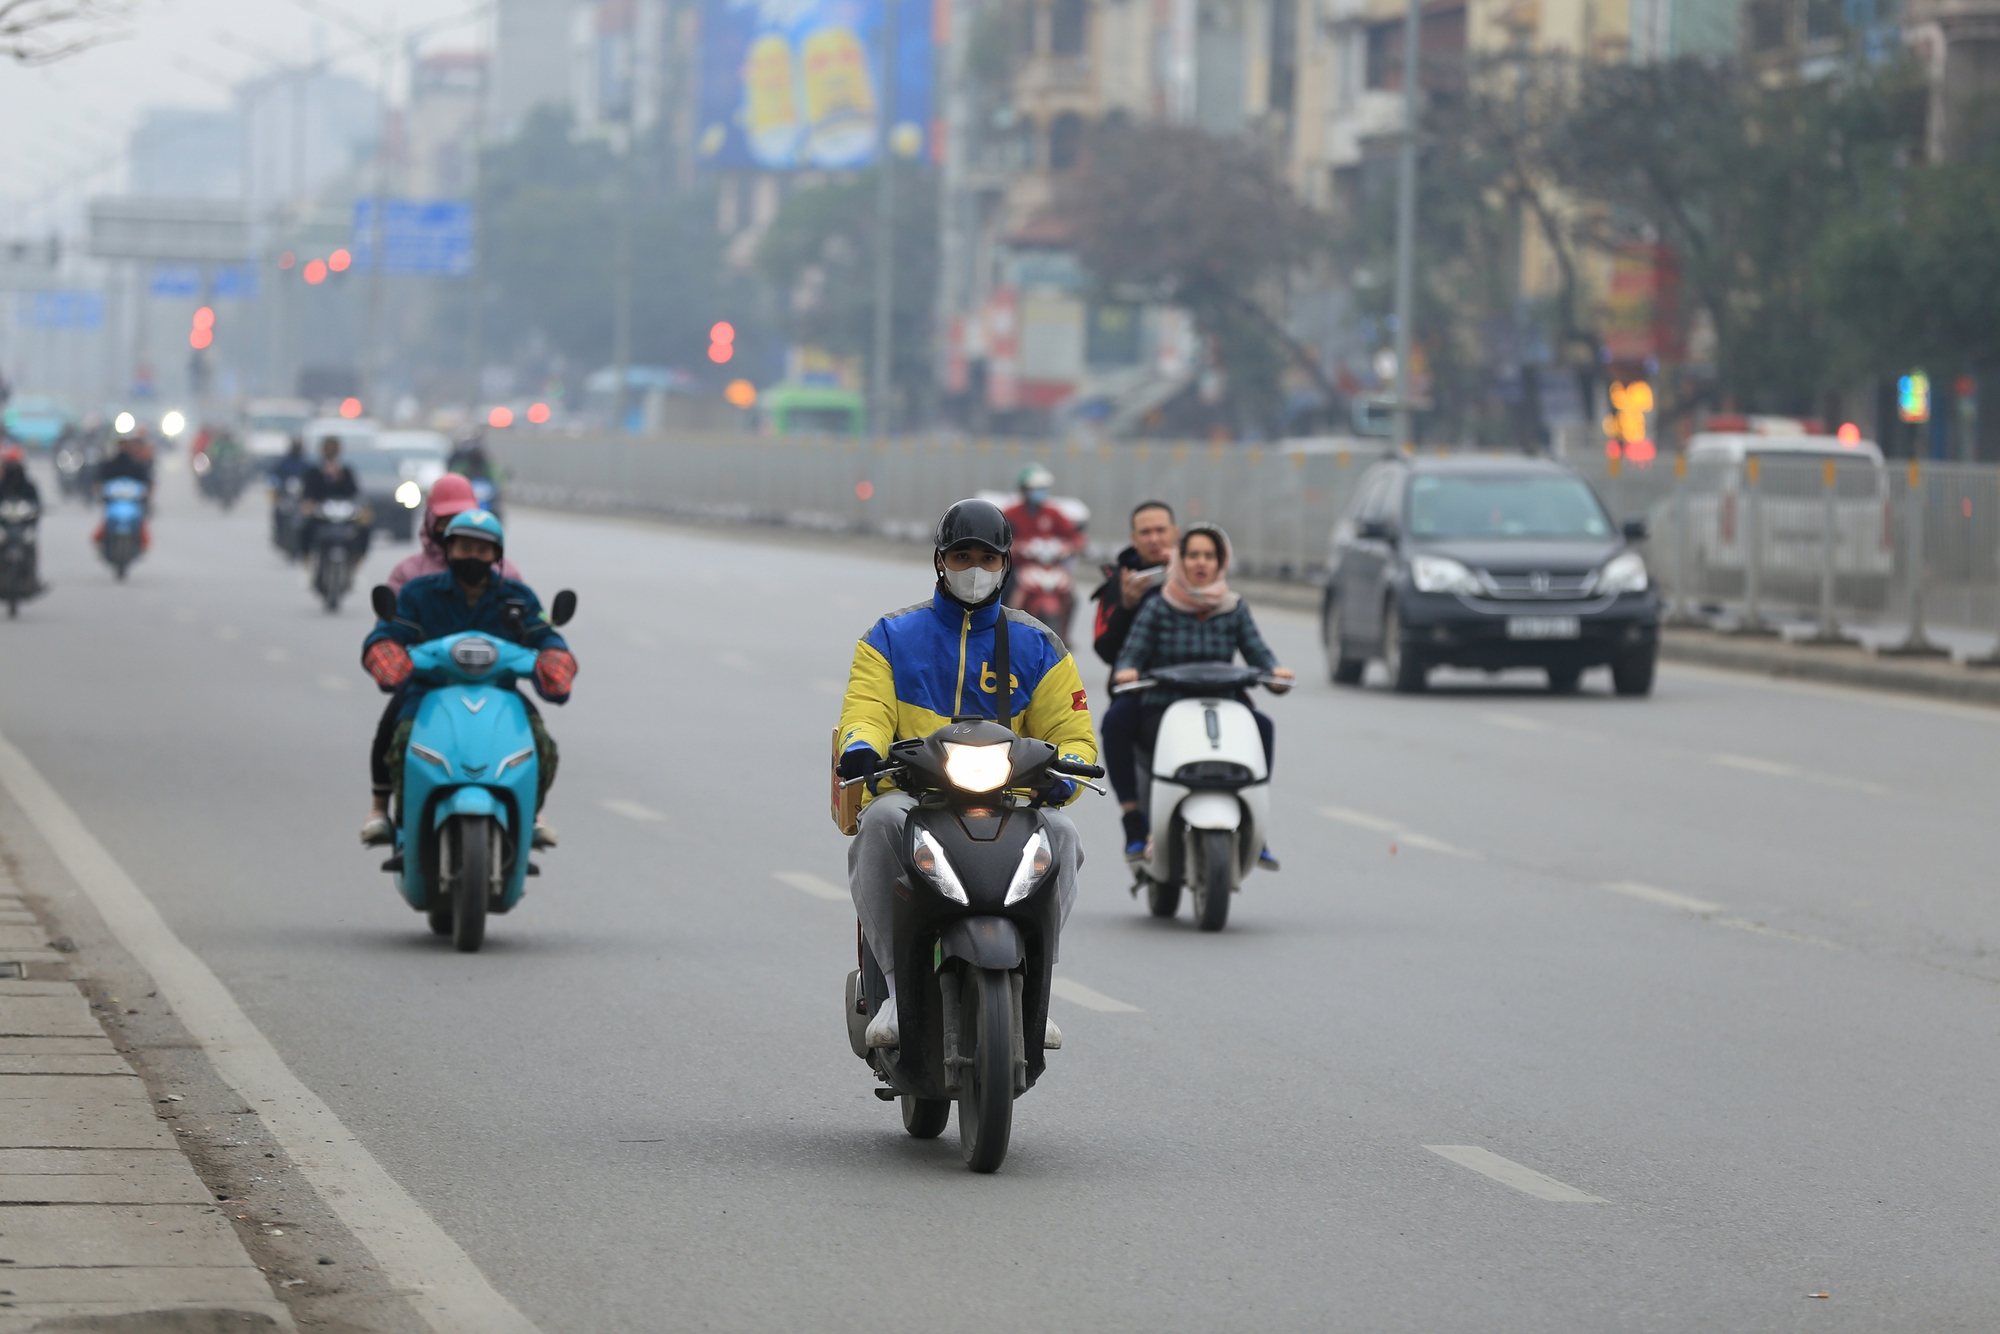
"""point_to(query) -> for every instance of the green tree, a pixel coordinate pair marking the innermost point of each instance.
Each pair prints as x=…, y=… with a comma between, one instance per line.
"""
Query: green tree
x=819, y=259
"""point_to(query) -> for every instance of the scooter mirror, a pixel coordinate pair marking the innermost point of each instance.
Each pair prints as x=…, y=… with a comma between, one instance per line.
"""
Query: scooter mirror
x=383, y=601
x=562, y=608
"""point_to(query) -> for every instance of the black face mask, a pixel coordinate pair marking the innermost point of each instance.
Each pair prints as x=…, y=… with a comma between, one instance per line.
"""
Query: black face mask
x=470, y=570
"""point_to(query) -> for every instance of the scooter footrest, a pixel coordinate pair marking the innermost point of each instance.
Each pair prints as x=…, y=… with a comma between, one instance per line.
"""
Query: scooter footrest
x=394, y=864
x=887, y=1095
x=534, y=869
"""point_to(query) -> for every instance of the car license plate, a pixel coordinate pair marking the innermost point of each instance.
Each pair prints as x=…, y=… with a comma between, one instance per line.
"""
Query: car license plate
x=1543, y=627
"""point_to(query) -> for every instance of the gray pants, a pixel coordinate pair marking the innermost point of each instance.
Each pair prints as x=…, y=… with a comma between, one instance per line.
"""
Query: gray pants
x=874, y=861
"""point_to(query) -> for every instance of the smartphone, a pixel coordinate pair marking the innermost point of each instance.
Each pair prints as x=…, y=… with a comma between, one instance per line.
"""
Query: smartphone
x=1155, y=576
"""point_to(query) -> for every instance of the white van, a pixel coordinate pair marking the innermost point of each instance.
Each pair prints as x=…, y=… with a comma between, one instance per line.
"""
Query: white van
x=1784, y=478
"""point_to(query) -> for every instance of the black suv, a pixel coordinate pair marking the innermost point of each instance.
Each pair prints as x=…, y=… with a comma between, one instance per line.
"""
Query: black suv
x=1487, y=561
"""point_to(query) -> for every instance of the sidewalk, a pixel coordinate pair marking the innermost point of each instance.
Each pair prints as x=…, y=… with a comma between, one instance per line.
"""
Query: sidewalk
x=103, y=1223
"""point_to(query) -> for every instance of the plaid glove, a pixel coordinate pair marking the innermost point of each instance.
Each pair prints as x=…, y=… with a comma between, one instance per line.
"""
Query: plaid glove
x=555, y=669
x=388, y=662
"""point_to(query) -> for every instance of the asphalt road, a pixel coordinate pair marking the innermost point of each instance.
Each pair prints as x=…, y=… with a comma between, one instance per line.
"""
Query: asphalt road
x=1721, y=961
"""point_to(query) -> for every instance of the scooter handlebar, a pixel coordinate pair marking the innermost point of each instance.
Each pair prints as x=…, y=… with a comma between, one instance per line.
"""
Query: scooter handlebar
x=1077, y=769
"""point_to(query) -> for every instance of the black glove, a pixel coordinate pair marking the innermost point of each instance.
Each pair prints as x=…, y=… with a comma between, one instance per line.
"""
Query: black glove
x=858, y=763
x=1056, y=793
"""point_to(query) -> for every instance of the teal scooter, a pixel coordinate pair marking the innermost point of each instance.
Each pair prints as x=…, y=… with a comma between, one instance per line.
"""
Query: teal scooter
x=467, y=816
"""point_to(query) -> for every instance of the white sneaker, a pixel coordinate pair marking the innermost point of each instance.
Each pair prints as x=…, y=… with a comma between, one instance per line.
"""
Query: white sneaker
x=376, y=831
x=545, y=835
x=1052, y=1037
x=882, y=1030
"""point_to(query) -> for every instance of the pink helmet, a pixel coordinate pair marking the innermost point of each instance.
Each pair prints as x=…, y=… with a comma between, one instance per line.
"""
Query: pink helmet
x=451, y=494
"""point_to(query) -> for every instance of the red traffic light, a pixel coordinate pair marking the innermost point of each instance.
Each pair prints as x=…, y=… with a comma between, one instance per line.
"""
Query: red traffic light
x=339, y=260
x=204, y=318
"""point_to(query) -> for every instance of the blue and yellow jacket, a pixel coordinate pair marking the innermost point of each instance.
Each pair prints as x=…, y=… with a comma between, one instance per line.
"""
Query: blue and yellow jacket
x=918, y=668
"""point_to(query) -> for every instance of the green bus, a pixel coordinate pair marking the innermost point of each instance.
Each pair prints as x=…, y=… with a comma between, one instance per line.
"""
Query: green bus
x=813, y=408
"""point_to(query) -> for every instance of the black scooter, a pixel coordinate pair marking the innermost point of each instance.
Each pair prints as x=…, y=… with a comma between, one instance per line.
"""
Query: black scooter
x=976, y=922
x=19, y=580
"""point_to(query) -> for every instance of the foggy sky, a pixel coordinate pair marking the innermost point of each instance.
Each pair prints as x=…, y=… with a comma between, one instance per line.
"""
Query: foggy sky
x=68, y=116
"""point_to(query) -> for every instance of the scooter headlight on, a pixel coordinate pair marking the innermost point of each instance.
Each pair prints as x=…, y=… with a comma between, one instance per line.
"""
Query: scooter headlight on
x=978, y=768
x=1035, y=859
x=930, y=859
x=409, y=495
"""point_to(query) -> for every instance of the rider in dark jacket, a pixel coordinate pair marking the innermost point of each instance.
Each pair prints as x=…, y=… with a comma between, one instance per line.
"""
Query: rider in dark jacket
x=1129, y=587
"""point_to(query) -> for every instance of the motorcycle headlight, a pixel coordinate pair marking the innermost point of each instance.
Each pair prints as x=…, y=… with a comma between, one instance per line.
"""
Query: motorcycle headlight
x=409, y=495
x=1441, y=574
x=1035, y=859
x=1623, y=573
x=930, y=859
x=977, y=768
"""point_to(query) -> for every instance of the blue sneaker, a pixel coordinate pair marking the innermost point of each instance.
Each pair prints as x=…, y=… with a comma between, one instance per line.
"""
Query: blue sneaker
x=1267, y=861
x=1135, y=850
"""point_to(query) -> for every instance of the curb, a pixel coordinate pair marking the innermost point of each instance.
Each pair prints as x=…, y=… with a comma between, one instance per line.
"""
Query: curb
x=1836, y=666
x=102, y=1218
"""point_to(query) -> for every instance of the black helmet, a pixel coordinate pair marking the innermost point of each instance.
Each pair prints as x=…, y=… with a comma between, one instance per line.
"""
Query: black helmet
x=975, y=521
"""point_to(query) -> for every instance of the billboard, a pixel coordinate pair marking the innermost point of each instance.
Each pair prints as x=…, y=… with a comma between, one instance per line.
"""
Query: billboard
x=798, y=83
x=419, y=236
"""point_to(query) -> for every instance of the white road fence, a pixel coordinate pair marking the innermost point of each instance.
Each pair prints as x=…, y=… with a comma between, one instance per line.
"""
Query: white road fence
x=1845, y=537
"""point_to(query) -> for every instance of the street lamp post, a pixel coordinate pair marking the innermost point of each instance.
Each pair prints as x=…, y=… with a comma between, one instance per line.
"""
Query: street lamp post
x=1406, y=220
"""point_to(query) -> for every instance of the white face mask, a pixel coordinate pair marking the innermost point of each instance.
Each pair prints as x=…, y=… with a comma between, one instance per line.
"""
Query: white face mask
x=973, y=586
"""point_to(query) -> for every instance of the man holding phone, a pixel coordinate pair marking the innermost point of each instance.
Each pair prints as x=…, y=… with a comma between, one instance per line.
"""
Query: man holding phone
x=1141, y=569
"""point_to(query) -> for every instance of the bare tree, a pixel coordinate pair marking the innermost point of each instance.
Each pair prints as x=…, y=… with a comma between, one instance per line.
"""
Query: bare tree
x=39, y=32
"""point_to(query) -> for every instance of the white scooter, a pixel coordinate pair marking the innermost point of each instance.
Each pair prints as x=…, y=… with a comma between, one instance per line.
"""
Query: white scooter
x=1209, y=798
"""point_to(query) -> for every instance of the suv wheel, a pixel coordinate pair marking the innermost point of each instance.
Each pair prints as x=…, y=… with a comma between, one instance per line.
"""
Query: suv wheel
x=1407, y=673
x=1633, y=674
x=1341, y=669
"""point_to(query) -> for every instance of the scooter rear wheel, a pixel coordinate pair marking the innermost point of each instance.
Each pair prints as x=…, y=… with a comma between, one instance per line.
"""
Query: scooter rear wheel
x=986, y=1107
x=1212, y=871
x=925, y=1118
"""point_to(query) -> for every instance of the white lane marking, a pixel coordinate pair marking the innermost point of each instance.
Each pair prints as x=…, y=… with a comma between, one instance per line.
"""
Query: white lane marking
x=277, y=655
x=813, y=885
x=1758, y=928
x=631, y=810
x=1515, y=722
x=1510, y=1173
x=1773, y=769
x=1633, y=889
x=1361, y=821
x=1078, y=994
x=410, y=1249
x=332, y=682
x=1409, y=837
x=1885, y=699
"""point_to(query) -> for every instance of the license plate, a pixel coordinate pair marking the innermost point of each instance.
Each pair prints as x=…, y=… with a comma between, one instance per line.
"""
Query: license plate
x=1543, y=627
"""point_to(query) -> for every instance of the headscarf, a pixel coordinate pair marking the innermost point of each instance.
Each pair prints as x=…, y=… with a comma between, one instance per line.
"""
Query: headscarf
x=1212, y=599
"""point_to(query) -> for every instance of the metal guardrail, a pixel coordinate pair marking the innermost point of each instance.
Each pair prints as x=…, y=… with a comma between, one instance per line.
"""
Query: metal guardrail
x=1277, y=502
x=1863, y=543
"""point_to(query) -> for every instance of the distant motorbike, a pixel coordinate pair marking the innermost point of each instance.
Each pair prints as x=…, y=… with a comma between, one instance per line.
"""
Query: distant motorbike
x=339, y=540
x=1044, y=585
x=1210, y=797
x=121, y=537
x=487, y=493
x=19, y=579
x=975, y=936
x=467, y=814
x=76, y=464
x=288, y=518
x=221, y=477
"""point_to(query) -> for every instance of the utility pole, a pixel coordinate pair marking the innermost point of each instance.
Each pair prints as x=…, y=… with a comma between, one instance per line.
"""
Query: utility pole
x=1406, y=220
x=621, y=281
x=885, y=226
x=955, y=241
x=475, y=280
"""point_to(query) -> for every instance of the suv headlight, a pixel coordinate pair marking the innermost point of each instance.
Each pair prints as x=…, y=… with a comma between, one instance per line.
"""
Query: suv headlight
x=978, y=768
x=1623, y=573
x=930, y=859
x=1441, y=574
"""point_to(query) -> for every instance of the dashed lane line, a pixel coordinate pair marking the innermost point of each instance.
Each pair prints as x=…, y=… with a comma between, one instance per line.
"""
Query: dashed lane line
x=1773, y=769
x=1510, y=1173
x=1078, y=994
x=1514, y=722
x=1406, y=837
x=1667, y=898
x=632, y=810
x=813, y=885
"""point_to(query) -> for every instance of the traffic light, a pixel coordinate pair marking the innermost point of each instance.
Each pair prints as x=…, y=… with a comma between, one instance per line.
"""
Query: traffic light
x=202, y=332
x=1625, y=433
x=721, y=342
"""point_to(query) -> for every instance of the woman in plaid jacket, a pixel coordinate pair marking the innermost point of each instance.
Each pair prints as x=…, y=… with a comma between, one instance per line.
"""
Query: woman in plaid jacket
x=1196, y=618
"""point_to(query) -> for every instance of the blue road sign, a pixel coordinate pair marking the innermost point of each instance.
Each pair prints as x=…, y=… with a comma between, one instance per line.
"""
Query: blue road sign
x=62, y=310
x=231, y=282
x=419, y=236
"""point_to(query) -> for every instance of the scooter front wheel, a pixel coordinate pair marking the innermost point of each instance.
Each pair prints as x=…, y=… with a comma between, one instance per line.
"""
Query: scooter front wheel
x=1212, y=871
x=986, y=1107
x=477, y=865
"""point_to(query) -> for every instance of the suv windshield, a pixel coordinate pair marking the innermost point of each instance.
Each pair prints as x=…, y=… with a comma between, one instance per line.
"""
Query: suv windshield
x=1501, y=507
